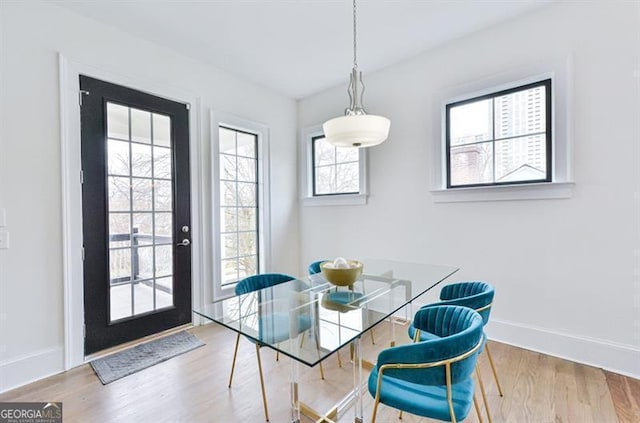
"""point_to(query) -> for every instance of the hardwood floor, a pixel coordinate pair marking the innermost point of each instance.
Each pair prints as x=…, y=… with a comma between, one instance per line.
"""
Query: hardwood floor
x=193, y=388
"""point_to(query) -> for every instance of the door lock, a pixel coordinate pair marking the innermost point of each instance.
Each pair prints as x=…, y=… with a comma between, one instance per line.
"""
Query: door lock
x=185, y=229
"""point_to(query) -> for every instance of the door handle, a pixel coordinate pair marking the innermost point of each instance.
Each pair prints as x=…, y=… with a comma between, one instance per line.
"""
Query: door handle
x=185, y=242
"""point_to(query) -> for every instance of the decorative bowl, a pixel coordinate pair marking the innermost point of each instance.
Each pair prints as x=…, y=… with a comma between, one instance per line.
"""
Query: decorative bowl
x=341, y=276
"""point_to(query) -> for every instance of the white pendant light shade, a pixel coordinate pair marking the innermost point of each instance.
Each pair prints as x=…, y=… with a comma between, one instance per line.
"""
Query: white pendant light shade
x=356, y=130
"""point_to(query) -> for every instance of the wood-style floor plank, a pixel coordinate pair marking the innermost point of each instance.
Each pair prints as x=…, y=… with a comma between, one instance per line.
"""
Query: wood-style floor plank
x=193, y=388
x=626, y=397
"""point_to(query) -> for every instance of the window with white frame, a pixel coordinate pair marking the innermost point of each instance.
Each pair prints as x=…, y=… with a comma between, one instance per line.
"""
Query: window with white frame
x=331, y=175
x=336, y=170
x=239, y=212
x=500, y=138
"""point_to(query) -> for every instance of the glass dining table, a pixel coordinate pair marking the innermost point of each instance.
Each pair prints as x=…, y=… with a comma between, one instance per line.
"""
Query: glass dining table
x=309, y=319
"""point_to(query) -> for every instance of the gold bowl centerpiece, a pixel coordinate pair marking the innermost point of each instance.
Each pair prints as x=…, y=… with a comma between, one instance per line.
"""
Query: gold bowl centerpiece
x=341, y=272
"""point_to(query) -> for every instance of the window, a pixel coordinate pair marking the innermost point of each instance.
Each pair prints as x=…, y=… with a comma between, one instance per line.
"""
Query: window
x=331, y=176
x=502, y=138
x=239, y=205
x=336, y=170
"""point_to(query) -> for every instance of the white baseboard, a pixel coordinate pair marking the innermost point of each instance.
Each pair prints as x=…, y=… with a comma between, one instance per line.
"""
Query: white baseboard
x=615, y=357
x=29, y=368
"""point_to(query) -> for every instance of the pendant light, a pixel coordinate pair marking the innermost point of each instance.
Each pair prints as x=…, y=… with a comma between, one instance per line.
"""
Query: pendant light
x=356, y=128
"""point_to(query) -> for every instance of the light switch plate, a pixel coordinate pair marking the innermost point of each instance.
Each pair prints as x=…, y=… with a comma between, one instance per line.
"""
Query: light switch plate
x=3, y=217
x=4, y=239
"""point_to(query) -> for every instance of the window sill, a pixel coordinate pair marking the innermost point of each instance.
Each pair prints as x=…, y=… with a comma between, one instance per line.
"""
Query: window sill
x=336, y=200
x=541, y=191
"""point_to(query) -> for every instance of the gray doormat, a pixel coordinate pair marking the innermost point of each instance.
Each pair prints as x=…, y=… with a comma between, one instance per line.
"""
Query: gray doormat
x=134, y=359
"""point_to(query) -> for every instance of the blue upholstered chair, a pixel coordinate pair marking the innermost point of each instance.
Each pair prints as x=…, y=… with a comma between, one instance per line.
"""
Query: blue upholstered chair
x=315, y=267
x=478, y=296
x=432, y=378
x=271, y=329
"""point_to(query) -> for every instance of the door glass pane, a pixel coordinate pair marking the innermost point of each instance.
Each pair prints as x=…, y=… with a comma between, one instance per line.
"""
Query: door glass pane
x=140, y=187
x=143, y=297
x=117, y=121
x=142, y=262
x=163, y=195
x=140, y=126
x=141, y=190
x=164, y=292
x=118, y=157
x=163, y=228
x=120, y=301
x=161, y=162
x=161, y=130
x=119, y=230
x=142, y=229
x=119, y=194
x=141, y=160
x=164, y=260
x=120, y=264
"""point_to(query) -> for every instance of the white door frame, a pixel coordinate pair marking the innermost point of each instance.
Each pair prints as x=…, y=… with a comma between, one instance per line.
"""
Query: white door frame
x=69, y=73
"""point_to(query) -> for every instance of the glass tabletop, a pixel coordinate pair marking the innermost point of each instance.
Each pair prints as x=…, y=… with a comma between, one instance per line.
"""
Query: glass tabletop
x=308, y=319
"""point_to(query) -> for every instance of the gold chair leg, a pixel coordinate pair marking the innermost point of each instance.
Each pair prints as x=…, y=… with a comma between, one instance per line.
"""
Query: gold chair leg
x=373, y=342
x=302, y=339
x=400, y=416
x=447, y=369
x=493, y=368
x=477, y=407
x=375, y=409
x=484, y=394
x=339, y=359
x=278, y=353
x=264, y=394
x=233, y=364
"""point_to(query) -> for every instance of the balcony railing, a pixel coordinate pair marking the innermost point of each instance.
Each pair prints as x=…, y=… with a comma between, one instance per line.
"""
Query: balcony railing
x=125, y=260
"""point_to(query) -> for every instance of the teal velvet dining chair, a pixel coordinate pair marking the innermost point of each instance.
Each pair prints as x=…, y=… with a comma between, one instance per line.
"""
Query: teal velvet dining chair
x=432, y=378
x=315, y=267
x=478, y=296
x=273, y=328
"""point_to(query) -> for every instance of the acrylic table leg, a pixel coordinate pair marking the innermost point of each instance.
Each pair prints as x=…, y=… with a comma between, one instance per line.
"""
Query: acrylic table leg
x=392, y=319
x=357, y=381
x=295, y=400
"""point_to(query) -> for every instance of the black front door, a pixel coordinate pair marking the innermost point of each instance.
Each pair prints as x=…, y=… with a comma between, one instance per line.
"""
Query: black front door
x=136, y=214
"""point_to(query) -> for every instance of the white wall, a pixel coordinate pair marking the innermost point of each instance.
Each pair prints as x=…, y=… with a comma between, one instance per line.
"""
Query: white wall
x=31, y=286
x=566, y=272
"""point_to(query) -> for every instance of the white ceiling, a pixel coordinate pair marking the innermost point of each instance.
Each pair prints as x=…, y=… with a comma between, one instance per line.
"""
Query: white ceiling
x=298, y=48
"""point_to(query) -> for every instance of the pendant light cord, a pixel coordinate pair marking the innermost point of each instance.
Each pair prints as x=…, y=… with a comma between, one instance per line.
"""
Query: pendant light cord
x=355, y=38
